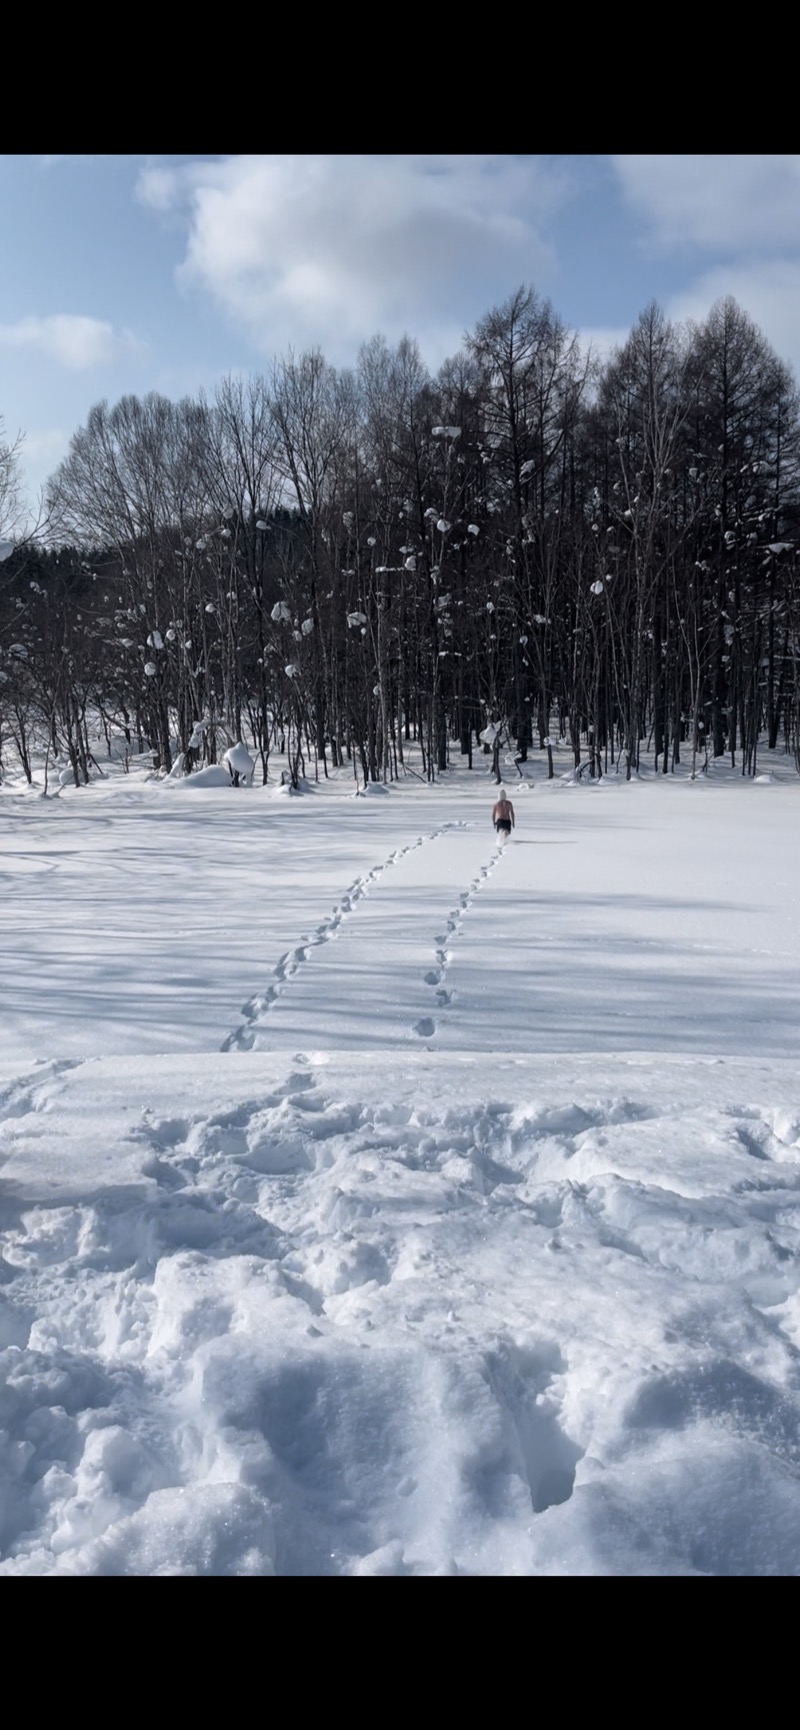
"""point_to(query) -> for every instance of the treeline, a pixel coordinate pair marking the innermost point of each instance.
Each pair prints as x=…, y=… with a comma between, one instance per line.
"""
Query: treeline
x=338, y=563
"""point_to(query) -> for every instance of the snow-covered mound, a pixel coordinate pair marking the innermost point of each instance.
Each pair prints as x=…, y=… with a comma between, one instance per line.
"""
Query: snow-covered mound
x=214, y=775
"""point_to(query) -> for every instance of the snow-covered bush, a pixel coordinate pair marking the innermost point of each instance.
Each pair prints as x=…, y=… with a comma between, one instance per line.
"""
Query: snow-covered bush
x=240, y=765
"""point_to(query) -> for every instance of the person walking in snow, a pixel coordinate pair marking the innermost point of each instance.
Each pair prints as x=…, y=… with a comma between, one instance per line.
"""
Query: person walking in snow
x=502, y=814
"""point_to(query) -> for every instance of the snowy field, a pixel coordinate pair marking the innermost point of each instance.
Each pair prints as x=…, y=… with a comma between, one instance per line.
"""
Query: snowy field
x=378, y=1200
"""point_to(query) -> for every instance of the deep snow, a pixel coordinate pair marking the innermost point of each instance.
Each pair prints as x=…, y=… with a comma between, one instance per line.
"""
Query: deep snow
x=375, y=1199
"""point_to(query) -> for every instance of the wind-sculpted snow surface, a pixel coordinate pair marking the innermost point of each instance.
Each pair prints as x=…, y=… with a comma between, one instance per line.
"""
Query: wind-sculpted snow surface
x=378, y=1200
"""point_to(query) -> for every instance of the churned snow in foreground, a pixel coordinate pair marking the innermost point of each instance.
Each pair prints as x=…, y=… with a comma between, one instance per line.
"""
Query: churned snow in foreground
x=375, y=1199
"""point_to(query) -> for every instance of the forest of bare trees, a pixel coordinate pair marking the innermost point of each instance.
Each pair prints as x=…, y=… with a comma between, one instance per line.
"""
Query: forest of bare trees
x=336, y=564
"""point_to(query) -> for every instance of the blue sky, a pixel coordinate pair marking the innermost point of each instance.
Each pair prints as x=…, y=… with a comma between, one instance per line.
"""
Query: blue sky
x=125, y=274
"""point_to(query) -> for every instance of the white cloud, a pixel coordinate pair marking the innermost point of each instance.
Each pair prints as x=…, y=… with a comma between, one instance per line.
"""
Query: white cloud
x=303, y=250
x=603, y=340
x=734, y=203
x=74, y=341
x=47, y=446
x=40, y=453
x=769, y=292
